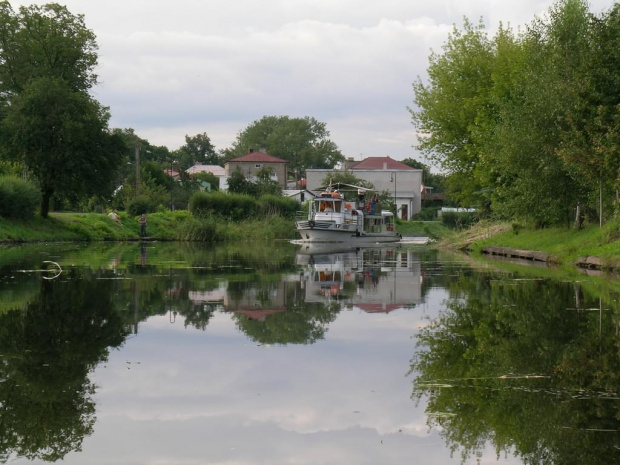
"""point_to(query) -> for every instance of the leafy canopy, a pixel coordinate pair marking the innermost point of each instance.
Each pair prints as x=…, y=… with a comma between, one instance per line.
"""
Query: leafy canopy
x=304, y=142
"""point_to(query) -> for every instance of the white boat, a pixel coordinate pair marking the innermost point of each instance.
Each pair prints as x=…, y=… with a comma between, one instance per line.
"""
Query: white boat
x=331, y=218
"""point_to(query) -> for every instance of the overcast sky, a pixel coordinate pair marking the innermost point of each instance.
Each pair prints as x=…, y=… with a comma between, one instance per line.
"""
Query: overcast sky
x=184, y=67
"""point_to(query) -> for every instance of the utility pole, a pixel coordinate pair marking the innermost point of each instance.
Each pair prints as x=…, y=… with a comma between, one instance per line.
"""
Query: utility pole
x=137, y=166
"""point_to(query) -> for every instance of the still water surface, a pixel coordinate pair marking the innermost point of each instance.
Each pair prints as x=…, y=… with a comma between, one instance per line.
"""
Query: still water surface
x=165, y=353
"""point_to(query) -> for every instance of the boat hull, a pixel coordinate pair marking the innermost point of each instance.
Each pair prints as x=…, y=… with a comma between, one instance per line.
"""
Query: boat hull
x=332, y=233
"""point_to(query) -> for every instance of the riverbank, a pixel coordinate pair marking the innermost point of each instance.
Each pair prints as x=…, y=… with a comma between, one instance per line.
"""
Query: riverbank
x=162, y=226
x=563, y=246
x=170, y=226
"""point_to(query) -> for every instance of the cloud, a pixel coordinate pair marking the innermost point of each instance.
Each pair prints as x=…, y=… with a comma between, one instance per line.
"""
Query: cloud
x=174, y=70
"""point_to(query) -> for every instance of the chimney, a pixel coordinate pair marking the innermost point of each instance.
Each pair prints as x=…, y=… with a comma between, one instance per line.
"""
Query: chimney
x=385, y=165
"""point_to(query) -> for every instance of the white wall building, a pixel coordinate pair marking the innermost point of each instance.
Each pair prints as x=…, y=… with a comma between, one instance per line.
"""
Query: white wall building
x=403, y=182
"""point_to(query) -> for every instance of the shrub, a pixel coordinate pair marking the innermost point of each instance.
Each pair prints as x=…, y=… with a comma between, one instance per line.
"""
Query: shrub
x=427, y=214
x=271, y=205
x=198, y=229
x=18, y=198
x=139, y=205
x=457, y=220
x=232, y=206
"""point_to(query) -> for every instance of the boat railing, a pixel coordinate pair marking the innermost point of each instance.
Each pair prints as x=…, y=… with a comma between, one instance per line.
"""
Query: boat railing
x=301, y=215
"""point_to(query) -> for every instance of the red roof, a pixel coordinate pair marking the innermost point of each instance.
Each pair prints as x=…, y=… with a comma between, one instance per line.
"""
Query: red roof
x=379, y=308
x=380, y=163
x=258, y=157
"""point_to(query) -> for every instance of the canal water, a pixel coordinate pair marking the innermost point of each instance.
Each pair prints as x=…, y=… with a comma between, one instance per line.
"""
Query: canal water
x=165, y=353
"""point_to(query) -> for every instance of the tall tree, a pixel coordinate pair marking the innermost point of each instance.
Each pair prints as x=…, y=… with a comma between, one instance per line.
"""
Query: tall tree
x=450, y=108
x=45, y=41
x=47, y=61
x=63, y=139
x=304, y=142
x=197, y=148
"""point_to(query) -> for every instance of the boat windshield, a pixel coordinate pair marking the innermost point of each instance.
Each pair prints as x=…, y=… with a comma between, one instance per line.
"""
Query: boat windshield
x=328, y=205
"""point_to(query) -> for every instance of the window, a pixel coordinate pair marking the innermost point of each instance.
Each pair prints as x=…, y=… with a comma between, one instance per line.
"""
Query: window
x=257, y=166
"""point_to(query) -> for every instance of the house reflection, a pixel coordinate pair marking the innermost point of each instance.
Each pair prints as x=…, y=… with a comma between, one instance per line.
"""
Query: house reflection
x=373, y=279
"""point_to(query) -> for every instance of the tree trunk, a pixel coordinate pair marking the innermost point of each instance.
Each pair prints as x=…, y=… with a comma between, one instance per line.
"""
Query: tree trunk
x=578, y=217
x=45, y=202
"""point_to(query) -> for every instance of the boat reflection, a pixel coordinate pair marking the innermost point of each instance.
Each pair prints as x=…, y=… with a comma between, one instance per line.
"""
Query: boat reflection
x=375, y=280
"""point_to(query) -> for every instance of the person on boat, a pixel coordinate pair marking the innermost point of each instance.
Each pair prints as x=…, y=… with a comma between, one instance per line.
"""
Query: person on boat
x=373, y=204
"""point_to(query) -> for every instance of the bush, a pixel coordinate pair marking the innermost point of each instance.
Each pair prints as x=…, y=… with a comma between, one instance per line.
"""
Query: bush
x=198, y=229
x=455, y=220
x=139, y=205
x=18, y=198
x=232, y=206
x=271, y=205
x=427, y=214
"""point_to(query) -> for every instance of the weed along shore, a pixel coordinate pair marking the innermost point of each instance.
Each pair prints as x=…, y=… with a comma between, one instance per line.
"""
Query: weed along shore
x=177, y=225
x=591, y=247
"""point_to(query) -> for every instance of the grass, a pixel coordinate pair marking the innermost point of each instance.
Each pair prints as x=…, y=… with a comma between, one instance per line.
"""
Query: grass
x=433, y=229
x=565, y=244
x=177, y=225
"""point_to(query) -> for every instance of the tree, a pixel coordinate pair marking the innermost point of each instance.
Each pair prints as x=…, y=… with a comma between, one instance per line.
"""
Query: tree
x=49, y=121
x=45, y=41
x=430, y=179
x=453, y=107
x=238, y=184
x=345, y=177
x=304, y=142
x=197, y=148
x=63, y=139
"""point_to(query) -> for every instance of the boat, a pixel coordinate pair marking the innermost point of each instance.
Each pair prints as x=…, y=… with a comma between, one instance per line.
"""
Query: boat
x=375, y=279
x=331, y=218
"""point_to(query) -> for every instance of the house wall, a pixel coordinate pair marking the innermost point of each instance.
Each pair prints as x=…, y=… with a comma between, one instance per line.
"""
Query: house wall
x=407, y=185
x=250, y=170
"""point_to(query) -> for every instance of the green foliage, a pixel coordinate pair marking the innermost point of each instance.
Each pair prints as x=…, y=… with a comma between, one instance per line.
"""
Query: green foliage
x=139, y=205
x=231, y=206
x=52, y=125
x=345, y=177
x=202, y=229
x=427, y=214
x=238, y=184
x=197, y=148
x=273, y=205
x=31, y=37
x=49, y=349
x=526, y=126
x=304, y=142
x=459, y=220
x=430, y=179
x=18, y=198
x=212, y=179
x=64, y=140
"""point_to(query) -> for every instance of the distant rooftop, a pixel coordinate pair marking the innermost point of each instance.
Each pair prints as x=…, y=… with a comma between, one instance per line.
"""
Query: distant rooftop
x=200, y=168
x=380, y=163
x=258, y=157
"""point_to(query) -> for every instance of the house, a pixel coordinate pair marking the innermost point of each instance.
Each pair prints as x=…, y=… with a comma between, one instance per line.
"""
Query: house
x=403, y=182
x=253, y=162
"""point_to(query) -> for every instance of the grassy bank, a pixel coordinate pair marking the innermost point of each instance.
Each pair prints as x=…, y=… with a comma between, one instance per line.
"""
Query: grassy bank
x=565, y=244
x=433, y=229
x=165, y=226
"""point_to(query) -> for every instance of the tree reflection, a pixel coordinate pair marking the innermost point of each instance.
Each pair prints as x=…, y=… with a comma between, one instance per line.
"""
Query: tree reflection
x=285, y=318
x=46, y=353
x=531, y=367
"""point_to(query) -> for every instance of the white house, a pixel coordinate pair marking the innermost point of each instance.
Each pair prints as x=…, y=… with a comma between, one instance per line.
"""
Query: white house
x=403, y=182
